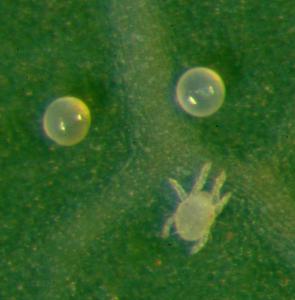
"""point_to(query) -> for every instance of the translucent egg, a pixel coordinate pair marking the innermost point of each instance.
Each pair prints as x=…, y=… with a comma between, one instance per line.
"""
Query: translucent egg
x=66, y=121
x=200, y=92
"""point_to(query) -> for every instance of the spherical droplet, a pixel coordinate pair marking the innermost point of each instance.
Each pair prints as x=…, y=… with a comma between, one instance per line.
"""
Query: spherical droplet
x=66, y=121
x=200, y=92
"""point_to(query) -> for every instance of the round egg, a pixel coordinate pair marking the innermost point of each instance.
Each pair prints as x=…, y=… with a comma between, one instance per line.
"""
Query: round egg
x=67, y=120
x=200, y=92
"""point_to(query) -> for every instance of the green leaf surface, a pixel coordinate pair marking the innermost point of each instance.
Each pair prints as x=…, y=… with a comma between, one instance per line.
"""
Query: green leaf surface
x=84, y=222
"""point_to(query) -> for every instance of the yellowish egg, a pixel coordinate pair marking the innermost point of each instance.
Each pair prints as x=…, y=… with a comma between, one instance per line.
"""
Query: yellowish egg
x=67, y=120
x=200, y=92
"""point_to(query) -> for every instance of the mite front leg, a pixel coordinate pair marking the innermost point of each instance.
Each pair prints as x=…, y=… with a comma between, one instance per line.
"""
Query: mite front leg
x=181, y=193
x=222, y=202
x=201, y=179
x=219, y=181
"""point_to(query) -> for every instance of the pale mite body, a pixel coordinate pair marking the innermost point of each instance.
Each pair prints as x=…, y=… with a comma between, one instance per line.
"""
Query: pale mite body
x=197, y=211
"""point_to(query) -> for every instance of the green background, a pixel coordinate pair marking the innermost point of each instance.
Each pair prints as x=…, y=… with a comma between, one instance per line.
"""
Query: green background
x=84, y=222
